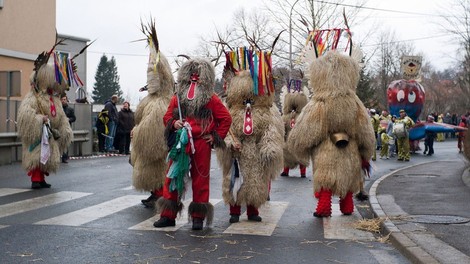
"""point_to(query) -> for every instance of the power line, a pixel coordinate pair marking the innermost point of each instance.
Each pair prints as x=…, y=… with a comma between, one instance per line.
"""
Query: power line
x=119, y=54
x=408, y=40
x=379, y=9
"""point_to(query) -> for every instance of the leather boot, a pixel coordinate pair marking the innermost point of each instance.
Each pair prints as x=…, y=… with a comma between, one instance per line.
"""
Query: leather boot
x=164, y=222
x=198, y=223
x=234, y=218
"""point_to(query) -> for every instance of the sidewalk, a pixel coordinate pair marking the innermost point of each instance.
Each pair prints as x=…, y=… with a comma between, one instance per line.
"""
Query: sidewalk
x=426, y=208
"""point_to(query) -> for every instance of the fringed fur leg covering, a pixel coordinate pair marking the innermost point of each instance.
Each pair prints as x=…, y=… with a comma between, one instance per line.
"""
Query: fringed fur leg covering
x=201, y=210
x=324, y=203
x=346, y=204
x=169, y=208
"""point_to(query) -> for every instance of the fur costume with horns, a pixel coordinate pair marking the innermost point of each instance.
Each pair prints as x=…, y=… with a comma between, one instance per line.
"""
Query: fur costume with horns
x=149, y=148
x=334, y=131
x=293, y=100
x=204, y=117
x=260, y=157
x=43, y=100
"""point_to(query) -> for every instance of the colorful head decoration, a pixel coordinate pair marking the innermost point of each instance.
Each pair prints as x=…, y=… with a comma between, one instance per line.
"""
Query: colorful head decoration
x=258, y=63
x=64, y=70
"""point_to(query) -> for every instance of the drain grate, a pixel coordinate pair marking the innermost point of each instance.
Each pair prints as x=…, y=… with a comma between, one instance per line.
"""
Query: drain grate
x=438, y=219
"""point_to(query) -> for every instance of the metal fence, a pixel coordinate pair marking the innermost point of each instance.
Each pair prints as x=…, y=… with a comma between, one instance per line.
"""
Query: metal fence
x=83, y=112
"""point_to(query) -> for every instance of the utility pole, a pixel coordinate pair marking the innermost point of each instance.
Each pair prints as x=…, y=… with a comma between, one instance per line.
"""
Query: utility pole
x=290, y=40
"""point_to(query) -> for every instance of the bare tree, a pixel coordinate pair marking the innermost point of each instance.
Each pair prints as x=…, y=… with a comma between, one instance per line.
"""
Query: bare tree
x=386, y=64
x=456, y=20
x=299, y=17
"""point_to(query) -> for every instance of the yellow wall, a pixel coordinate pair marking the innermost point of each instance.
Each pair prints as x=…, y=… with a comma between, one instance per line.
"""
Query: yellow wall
x=28, y=25
x=27, y=28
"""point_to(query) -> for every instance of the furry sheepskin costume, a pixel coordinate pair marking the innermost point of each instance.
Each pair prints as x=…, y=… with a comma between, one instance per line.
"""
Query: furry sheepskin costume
x=260, y=157
x=205, y=122
x=293, y=101
x=43, y=100
x=334, y=130
x=149, y=148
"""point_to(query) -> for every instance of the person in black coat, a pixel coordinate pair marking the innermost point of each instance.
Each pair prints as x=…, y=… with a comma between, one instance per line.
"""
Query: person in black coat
x=110, y=106
x=125, y=125
x=70, y=113
x=429, y=139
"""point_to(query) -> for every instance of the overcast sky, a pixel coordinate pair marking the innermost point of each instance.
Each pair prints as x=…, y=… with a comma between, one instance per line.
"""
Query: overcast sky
x=180, y=23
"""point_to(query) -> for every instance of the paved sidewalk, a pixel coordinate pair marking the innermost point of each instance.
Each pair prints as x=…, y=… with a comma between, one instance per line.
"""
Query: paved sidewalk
x=426, y=208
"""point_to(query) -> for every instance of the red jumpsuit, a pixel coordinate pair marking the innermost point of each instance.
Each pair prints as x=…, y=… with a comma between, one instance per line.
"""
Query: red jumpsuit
x=200, y=160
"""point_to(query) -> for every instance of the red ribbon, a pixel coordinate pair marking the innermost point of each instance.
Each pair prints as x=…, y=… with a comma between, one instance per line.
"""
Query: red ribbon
x=248, y=123
x=192, y=87
x=53, y=111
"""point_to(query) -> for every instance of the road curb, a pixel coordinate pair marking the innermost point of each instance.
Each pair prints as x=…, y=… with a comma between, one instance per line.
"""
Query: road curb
x=399, y=240
x=466, y=177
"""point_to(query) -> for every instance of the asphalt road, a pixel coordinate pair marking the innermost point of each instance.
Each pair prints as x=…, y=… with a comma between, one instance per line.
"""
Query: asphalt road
x=92, y=215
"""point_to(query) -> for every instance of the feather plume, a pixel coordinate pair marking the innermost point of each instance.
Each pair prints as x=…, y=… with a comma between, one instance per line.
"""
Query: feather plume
x=151, y=32
x=276, y=39
x=43, y=57
x=82, y=50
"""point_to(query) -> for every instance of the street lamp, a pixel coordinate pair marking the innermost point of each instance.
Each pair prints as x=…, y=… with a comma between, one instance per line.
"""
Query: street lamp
x=290, y=39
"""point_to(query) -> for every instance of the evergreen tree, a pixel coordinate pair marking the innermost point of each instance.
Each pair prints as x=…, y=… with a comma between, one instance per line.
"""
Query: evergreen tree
x=106, y=81
x=364, y=89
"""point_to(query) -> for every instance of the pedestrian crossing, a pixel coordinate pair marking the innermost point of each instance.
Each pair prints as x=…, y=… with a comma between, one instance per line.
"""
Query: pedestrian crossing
x=39, y=202
x=180, y=221
x=271, y=214
x=336, y=227
x=89, y=214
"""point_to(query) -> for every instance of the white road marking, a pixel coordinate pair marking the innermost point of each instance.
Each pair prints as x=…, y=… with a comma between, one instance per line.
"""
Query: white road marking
x=181, y=220
x=86, y=215
x=3, y=226
x=271, y=213
x=38, y=202
x=339, y=226
x=128, y=188
x=9, y=191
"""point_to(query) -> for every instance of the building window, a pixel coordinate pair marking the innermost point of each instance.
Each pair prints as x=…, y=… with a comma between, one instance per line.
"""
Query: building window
x=10, y=83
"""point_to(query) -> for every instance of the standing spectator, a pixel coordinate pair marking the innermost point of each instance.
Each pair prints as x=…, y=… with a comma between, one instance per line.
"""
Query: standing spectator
x=102, y=129
x=383, y=118
x=393, y=142
x=70, y=113
x=461, y=134
x=110, y=106
x=440, y=136
x=455, y=122
x=374, y=119
x=126, y=123
x=402, y=127
x=448, y=120
x=429, y=139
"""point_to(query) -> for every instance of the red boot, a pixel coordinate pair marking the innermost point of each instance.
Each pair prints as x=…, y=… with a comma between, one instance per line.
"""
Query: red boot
x=346, y=204
x=324, y=204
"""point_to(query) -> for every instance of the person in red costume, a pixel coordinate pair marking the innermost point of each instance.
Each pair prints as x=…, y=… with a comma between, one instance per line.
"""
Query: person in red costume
x=207, y=121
